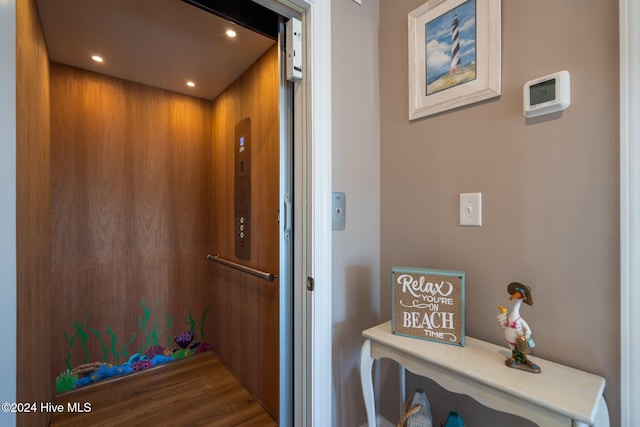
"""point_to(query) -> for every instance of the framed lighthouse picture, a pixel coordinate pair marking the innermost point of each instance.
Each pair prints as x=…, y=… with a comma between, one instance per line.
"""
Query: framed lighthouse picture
x=454, y=55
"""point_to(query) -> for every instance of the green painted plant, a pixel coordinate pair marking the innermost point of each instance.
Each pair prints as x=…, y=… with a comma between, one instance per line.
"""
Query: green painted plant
x=147, y=325
x=191, y=322
x=114, y=346
x=80, y=332
x=169, y=322
x=150, y=337
x=202, y=319
x=103, y=347
x=65, y=381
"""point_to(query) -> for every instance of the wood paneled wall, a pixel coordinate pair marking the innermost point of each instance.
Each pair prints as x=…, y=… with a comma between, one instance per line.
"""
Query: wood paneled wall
x=142, y=188
x=245, y=308
x=33, y=215
x=131, y=215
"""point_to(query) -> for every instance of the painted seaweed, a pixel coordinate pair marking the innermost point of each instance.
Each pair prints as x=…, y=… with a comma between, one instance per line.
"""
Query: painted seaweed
x=202, y=319
x=169, y=322
x=194, y=326
x=103, y=347
x=150, y=337
x=114, y=345
x=110, y=348
x=80, y=332
x=191, y=322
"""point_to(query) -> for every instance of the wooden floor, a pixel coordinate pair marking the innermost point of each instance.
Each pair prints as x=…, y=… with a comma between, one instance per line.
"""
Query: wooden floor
x=196, y=391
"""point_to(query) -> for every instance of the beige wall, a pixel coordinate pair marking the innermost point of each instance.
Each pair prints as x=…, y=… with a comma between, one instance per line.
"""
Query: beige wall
x=356, y=172
x=549, y=188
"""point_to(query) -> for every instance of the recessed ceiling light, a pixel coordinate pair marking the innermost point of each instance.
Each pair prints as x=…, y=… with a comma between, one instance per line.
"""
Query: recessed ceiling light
x=231, y=33
x=191, y=84
x=97, y=58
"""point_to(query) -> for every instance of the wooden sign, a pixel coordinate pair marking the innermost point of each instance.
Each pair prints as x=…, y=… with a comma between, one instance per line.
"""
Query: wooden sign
x=428, y=304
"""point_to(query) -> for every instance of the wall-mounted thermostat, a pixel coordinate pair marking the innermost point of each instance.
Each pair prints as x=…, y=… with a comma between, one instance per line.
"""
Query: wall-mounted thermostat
x=547, y=94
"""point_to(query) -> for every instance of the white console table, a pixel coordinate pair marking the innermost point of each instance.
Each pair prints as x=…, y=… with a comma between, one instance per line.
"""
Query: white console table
x=558, y=396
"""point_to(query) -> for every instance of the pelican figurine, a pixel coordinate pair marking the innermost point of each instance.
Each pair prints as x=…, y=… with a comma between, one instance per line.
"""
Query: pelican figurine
x=516, y=331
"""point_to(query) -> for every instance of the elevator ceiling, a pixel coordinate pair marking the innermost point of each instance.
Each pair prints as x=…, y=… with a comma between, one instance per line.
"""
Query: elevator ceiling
x=161, y=43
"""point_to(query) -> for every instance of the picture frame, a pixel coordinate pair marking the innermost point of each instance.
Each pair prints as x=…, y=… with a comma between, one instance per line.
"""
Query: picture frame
x=454, y=55
x=428, y=304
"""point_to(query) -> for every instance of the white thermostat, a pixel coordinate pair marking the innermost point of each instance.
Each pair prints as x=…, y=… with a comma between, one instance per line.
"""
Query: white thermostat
x=547, y=94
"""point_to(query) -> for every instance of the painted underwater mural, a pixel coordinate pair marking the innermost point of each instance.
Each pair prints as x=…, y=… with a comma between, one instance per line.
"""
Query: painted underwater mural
x=151, y=353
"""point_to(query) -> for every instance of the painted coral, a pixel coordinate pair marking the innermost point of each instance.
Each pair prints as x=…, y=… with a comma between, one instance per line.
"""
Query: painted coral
x=205, y=346
x=184, y=339
x=141, y=365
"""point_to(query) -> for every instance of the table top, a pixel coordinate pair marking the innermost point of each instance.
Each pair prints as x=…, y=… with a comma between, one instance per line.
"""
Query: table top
x=558, y=387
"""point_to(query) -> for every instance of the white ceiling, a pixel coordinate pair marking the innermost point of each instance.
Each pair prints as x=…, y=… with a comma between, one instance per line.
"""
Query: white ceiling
x=161, y=43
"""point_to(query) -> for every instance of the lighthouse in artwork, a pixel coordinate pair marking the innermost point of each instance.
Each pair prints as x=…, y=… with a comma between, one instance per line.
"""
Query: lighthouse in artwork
x=455, y=47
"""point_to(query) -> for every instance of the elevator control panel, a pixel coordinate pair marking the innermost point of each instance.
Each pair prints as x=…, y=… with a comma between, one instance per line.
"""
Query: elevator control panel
x=242, y=189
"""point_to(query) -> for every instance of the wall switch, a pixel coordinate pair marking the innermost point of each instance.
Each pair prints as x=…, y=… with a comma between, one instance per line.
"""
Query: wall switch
x=338, y=211
x=471, y=209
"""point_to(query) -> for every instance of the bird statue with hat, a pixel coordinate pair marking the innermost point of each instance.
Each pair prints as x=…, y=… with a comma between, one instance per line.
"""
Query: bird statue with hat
x=516, y=331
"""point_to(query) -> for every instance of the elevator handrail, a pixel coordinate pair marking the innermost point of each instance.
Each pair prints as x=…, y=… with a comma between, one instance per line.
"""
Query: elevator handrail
x=269, y=277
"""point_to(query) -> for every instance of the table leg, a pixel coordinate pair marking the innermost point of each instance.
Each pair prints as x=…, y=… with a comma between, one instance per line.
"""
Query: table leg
x=403, y=395
x=366, y=363
x=601, y=415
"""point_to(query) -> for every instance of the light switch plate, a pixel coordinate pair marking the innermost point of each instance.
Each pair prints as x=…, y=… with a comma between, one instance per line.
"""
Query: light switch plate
x=471, y=209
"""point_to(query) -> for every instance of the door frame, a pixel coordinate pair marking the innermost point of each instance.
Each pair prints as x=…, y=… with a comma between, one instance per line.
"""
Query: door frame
x=311, y=317
x=315, y=91
x=8, y=250
x=316, y=353
x=317, y=26
x=629, y=15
